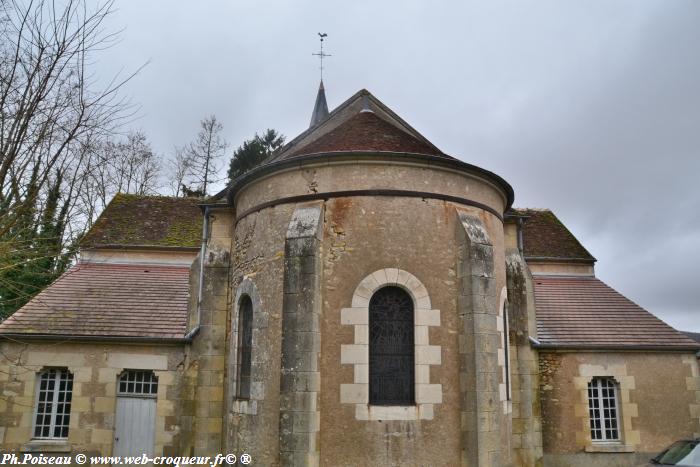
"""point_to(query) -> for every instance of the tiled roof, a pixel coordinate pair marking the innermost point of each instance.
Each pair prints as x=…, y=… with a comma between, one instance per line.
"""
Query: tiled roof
x=693, y=335
x=158, y=221
x=366, y=132
x=545, y=237
x=99, y=299
x=585, y=312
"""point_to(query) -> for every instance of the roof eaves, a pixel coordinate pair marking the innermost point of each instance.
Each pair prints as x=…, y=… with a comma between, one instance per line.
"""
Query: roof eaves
x=126, y=246
x=261, y=170
x=95, y=338
x=605, y=347
x=556, y=259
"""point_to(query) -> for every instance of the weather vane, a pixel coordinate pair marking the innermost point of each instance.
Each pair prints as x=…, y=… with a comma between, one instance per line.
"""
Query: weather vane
x=320, y=54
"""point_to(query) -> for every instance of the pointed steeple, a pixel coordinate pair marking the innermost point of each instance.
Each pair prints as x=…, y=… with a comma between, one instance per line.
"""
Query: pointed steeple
x=320, y=112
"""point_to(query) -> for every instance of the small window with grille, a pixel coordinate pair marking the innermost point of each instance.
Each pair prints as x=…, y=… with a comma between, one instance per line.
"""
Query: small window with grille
x=139, y=383
x=53, y=403
x=603, y=410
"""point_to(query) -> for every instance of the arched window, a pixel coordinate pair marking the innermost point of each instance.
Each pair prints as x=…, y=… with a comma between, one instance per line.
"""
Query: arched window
x=506, y=349
x=244, y=347
x=391, y=349
x=603, y=410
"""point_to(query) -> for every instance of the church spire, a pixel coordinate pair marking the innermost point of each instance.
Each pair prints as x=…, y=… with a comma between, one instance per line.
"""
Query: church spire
x=320, y=108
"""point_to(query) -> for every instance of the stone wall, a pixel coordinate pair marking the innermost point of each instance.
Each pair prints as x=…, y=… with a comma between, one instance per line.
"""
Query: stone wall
x=365, y=236
x=658, y=399
x=207, y=353
x=480, y=342
x=527, y=419
x=301, y=338
x=257, y=262
x=95, y=368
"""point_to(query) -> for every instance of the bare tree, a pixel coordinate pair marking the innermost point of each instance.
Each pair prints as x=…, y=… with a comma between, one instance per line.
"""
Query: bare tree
x=179, y=170
x=132, y=166
x=205, y=152
x=51, y=112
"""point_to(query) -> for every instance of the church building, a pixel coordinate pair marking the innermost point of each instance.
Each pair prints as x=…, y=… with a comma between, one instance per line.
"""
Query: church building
x=360, y=298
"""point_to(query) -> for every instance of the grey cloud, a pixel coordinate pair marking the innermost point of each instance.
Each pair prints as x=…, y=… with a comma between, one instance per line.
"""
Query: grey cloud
x=589, y=108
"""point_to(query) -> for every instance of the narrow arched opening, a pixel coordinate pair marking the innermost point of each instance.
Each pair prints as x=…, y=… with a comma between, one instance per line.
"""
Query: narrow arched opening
x=391, y=347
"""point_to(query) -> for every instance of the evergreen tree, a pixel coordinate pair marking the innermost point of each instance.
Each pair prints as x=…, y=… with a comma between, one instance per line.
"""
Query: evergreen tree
x=254, y=152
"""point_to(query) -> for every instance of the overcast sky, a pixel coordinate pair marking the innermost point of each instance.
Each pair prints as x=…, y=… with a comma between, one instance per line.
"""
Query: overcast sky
x=590, y=108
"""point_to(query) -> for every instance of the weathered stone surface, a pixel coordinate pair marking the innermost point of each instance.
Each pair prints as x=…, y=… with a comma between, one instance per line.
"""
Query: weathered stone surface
x=480, y=376
x=299, y=415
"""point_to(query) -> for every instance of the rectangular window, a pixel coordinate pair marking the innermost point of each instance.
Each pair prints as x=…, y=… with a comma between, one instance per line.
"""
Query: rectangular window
x=138, y=383
x=54, y=395
x=603, y=410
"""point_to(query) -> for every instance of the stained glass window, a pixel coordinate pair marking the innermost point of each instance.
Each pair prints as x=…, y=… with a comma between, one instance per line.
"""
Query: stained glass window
x=391, y=349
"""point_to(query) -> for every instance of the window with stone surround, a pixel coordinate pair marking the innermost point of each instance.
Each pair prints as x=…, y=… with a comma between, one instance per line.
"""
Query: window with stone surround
x=391, y=348
x=603, y=410
x=244, y=348
x=420, y=394
x=53, y=403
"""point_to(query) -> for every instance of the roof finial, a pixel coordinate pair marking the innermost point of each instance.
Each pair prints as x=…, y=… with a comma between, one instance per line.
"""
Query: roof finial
x=320, y=54
x=320, y=112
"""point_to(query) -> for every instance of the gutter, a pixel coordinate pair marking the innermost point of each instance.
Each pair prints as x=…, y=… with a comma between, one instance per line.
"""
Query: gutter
x=205, y=238
x=536, y=344
x=556, y=259
x=83, y=338
x=521, y=221
x=116, y=246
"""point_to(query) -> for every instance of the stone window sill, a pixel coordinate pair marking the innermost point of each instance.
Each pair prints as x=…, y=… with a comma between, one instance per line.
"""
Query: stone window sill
x=47, y=445
x=619, y=448
x=393, y=412
x=245, y=406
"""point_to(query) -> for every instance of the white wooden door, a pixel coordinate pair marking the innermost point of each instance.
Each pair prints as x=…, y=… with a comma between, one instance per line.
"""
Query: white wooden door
x=135, y=426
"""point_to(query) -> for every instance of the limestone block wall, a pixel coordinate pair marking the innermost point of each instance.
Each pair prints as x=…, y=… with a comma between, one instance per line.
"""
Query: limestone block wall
x=257, y=268
x=369, y=242
x=301, y=338
x=95, y=368
x=362, y=235
x=526, y=415
x=483, y=395
x=209, y=314
x=649, y=384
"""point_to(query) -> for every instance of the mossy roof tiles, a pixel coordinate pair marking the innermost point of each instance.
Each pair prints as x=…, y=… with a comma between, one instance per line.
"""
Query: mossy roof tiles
x=155, y=221
x=546, y=237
